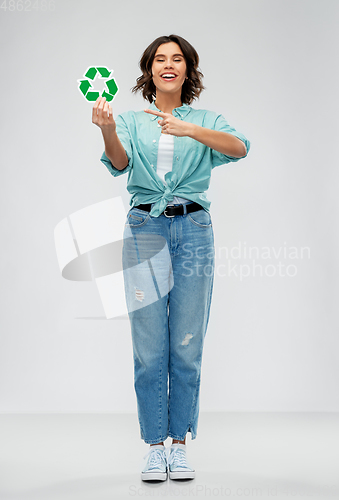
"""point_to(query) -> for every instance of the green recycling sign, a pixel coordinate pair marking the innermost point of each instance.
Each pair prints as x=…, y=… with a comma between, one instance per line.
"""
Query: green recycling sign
x=85, y=85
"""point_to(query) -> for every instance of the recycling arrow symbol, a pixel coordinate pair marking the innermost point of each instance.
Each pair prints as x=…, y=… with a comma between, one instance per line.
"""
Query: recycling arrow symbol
x=90, y=75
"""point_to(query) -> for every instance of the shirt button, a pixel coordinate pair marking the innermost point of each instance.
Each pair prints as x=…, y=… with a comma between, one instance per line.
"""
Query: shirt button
x=154, y=140
x=152, y=165
x=177, y=158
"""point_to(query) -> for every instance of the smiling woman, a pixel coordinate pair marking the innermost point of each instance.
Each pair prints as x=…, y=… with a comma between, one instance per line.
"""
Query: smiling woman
x=169, y=151
x=182, y=53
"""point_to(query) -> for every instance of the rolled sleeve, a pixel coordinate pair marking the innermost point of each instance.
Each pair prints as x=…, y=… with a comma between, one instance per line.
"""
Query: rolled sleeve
x=223, y=126
x=125, y=139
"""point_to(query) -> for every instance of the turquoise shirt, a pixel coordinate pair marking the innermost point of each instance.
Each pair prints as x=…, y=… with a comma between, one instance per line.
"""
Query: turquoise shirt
x=139, y=133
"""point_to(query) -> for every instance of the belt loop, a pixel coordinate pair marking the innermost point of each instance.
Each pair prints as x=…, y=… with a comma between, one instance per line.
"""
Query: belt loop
x=185, y=208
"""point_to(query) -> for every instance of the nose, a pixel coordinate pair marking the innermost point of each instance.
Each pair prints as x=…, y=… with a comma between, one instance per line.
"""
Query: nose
x=168, y=64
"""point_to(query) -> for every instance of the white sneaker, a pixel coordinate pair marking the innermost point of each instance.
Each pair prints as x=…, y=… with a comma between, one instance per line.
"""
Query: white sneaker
x=177, y=463
x=156, y=465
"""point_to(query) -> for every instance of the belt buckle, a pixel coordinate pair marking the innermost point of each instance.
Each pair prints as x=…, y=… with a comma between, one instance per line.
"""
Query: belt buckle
x=169, y=216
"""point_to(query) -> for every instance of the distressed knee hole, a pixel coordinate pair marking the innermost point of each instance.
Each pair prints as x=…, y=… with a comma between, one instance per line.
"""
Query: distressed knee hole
x=139, y=294
x=187, y=339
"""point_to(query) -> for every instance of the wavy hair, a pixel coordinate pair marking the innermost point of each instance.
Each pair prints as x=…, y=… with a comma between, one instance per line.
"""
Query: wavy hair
x=192, y=86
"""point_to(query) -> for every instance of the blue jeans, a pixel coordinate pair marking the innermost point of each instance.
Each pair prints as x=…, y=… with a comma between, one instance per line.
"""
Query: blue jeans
x=168, y=266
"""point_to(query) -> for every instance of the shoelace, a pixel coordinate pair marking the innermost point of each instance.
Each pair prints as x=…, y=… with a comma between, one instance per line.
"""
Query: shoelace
x=178, y=457
x=156, y=458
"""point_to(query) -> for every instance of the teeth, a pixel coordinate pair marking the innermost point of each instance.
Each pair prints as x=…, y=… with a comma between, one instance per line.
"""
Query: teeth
x=168, y=75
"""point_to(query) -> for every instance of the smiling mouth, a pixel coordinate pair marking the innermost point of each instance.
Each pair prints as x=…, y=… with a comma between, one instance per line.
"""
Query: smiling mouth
x=169, y=79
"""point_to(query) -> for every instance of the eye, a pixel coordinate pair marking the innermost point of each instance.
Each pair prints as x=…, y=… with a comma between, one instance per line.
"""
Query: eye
x=161, y=60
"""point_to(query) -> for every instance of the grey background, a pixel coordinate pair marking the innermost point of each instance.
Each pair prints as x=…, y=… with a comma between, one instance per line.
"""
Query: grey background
x=271, y=69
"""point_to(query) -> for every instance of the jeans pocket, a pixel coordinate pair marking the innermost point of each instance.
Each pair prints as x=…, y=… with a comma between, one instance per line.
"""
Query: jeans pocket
x=137, y=217
x=200, y=218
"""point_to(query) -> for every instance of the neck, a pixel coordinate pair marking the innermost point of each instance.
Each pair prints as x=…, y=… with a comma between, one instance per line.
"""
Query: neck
x=167, y=102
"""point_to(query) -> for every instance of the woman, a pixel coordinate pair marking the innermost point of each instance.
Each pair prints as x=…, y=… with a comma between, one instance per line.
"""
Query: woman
x=169, y=151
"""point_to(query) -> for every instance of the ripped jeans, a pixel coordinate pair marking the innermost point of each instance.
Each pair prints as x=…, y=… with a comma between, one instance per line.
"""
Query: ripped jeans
x=168, y=266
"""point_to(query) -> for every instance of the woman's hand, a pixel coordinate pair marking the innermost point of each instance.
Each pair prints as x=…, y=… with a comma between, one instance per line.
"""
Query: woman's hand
x=170, y=124
x=102, y=115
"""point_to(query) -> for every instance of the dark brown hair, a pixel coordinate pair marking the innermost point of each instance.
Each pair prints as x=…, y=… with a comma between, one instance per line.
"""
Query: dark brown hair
x=192, y=86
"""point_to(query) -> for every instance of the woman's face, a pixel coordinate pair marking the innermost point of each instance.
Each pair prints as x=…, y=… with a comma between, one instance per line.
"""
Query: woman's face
x=169, y=61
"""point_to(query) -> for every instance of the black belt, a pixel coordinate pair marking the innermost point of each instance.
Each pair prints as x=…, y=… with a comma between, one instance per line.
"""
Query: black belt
x=171, y=211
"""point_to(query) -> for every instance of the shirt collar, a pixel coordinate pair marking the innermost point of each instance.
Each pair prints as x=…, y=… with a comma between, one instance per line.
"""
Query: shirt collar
x=182, y=111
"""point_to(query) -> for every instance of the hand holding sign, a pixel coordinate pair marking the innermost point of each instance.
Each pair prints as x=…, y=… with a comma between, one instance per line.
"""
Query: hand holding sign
x=102, y=115
x=170, y=124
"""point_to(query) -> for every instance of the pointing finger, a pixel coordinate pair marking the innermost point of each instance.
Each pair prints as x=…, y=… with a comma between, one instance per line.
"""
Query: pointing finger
x=157, y=113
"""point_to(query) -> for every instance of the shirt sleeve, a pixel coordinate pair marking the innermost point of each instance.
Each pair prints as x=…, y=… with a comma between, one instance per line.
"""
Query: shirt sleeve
x=125, y=139
x=223, y=126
